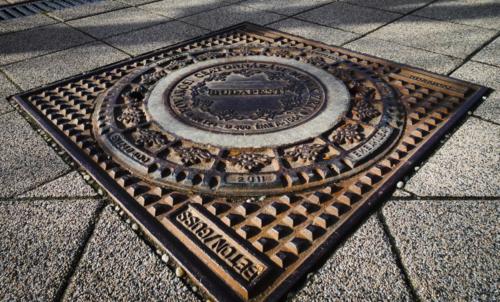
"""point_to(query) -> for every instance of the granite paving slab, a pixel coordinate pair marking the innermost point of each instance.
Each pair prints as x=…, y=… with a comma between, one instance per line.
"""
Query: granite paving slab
x=39, y=241
x=38, y=41
x=230, y=15
x=403, y=54
x=486, y=75
x=117, y=22
x=6, y=89
x=87, y=10
x=155, y=37
x=55, y=66
x=23, y=23
x=450, y=248
x=466, y=165
x=490, y=54
x=284, y=7
x=123, y=267
x=69, y=185
x=27, y=160
x=399, y=6
x=438, y=36
x=314, y=31
x=179, y=9
x=481, y=13
x=362, y=269
x=349, y=17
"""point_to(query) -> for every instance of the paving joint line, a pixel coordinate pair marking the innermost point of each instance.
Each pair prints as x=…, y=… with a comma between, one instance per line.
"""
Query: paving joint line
x=92, y=14
x=392, y=21
x=485, y=119
x=396, y=253
x=51, y=198
x=88, y=233
x=472, y=54
x=41, y=184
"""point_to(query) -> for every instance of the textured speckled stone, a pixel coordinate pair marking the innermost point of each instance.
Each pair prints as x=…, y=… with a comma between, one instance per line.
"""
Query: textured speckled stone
x=23, y=23
x=56, y=66
x=179, y=9
x=403, y=54
x=87, y=10
x=482, y=13
x=38, y=244
x=490, y=54
x=438, y=36
x=27, y=161
x=35, y=42
x=131, y=271
x=467, y=165
x=349, y=17
x=117, y=22
x=230, y=15
x=6, y=89
x=284, y=7
x=312, y=31
x=400, y=6
x=450, y=248
x=362, y=269
x=488, y=76
x=155, y=37
x=69, y=185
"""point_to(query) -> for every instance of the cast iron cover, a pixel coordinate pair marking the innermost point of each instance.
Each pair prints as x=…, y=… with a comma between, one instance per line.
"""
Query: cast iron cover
x=248, y=153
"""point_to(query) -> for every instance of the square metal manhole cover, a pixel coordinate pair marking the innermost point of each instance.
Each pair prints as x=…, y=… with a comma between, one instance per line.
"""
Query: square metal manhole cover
x=248, y=153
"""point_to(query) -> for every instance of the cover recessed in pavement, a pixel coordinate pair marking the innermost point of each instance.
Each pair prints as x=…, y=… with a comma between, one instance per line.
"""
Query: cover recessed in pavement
x=248, y=153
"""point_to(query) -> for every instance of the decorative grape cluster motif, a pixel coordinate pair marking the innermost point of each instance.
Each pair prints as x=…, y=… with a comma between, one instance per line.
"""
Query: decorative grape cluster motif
x=150, y=138
x=192, y=155
x=364, y=111
x=250, y=161
x=347, y=134
x=131, y=116
x=309, y=152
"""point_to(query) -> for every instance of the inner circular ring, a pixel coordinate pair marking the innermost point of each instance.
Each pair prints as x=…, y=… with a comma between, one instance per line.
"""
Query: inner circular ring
x=336, y=99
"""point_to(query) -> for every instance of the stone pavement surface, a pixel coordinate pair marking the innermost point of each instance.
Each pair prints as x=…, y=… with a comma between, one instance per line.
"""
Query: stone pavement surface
x=436, y=239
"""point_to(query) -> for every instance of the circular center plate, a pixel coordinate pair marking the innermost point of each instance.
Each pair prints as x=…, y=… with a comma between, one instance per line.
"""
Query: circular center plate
x=243, y=102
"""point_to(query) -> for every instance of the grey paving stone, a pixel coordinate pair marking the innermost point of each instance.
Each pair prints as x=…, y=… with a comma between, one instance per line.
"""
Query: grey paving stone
x=27, y=161
x=482, y=13
x=230, y=15
x=69, y=185
x=403, y=54
x=38, y=41
x=488, y=76
x=467, y=165
x=87, y=10
x=130, y=269
x=117, y=22
x=312, y=31
x=179, y=9
x=442, y=37
x=363, y=269
x=490, y=54
x=18, y=24
x=399, y=6
x=155, y=37
x=38, y=243
x=6, y=89
x=284, y=7
x=49, y=68
x=349, y=17
x=450, y=248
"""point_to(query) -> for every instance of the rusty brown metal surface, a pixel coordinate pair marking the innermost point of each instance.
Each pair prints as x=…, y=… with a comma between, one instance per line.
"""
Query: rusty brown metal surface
x=248, y=153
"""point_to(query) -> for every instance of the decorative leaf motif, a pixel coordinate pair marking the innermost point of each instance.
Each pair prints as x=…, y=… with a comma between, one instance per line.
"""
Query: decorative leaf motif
x=131, y=116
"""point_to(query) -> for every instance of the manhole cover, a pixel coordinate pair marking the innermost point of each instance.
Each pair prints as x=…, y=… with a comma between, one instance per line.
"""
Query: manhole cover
x=248, y=153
